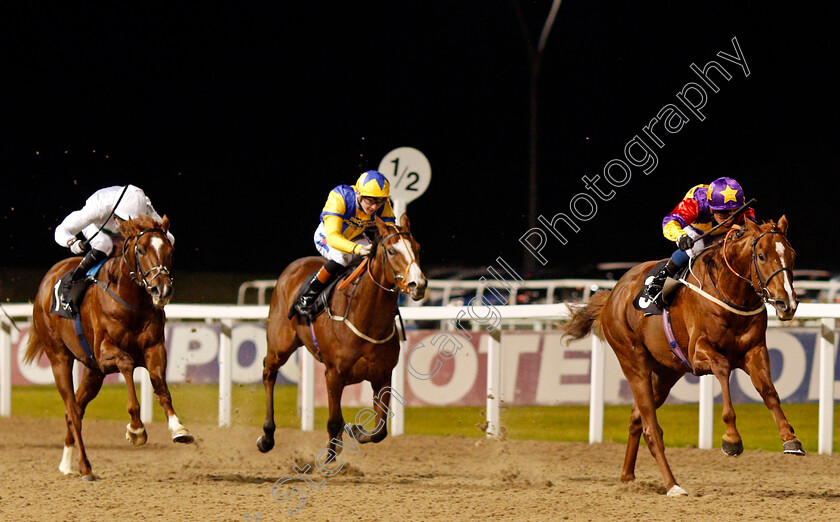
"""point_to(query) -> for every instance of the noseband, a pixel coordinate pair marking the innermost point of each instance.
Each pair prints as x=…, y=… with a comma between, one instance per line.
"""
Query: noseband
x=400, y=281
x=762, y=290
x=141, y=279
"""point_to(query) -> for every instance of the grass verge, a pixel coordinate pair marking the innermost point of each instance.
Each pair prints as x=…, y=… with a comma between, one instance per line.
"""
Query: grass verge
x=198, y=404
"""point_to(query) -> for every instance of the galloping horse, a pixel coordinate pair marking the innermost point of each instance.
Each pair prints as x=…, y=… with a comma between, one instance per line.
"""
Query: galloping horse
x=363, y=345
x=723, y=329
x=122, y=317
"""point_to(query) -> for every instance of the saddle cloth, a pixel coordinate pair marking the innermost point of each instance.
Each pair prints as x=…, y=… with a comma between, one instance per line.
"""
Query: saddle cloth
x=77, y=295
x=77, y=292
x=653, y=305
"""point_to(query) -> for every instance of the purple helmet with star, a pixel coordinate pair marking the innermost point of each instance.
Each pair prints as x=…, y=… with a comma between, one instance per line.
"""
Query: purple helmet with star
x=725, y=194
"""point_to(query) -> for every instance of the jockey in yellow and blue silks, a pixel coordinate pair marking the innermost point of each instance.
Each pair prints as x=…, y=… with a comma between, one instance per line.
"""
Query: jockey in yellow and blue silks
x=348, y=212
x=703, y=207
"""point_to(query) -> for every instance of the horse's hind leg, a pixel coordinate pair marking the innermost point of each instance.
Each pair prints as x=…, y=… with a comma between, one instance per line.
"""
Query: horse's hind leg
x=63, y=372
x=757, y=366
x=628, y=473
x=88, y=389
x=641, y=381
x=282, y=343
x=661, y=385
x=155, y=361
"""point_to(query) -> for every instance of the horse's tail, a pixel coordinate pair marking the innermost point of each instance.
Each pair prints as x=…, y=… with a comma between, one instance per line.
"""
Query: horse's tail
x=585, y=318
x=34, y=348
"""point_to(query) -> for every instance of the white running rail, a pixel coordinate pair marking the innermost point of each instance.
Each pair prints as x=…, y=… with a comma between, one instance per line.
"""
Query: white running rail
x=827, y=314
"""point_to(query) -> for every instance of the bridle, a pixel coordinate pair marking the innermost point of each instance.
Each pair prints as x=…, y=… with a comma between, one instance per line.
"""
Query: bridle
x=138, y=275
x=760, y=284
x=400, y=280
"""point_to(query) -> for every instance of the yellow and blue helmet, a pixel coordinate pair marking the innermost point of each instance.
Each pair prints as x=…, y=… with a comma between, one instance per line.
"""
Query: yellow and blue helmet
x=373, y=184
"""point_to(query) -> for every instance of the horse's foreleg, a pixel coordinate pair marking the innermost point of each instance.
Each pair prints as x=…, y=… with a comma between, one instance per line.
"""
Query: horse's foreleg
x=63, y=373
x=335, y=423
x=265, y=442
x=757, y=366
x=88, y=389
x=135, y=432
x=706, y=355
x=732, y=444
x=375, y=431
x=155, y=360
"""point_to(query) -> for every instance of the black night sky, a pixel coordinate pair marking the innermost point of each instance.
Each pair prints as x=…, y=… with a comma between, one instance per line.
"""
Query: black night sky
x=238, y=119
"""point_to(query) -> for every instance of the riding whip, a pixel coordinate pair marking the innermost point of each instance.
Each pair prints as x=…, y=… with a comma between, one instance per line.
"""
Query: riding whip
x=735, y=214
x=109, y=215
x=9, y=317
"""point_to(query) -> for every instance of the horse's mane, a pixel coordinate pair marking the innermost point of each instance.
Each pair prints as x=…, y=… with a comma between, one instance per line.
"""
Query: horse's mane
x=134, y=226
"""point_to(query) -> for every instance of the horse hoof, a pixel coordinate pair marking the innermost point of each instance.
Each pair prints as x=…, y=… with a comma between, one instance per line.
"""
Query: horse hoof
x=355, y=431
x=90, y=477
x=677, y=491
x=264, y=444
x=733, y=449
x=183, y=436
x=793, y=447
x=135, y=437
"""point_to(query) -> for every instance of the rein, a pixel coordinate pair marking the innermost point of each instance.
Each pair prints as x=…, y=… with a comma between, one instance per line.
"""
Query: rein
x=399, y=286
x=159, y=269
x=762, y=290
x=351, y=326
x=727, y=306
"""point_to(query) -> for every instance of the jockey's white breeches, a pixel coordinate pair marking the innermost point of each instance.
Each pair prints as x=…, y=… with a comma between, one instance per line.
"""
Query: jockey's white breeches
x=333, y=254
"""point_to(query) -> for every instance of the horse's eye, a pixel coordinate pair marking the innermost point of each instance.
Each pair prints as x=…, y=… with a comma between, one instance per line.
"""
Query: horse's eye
x=761, y=257
x=391, y=251
x=141, y=251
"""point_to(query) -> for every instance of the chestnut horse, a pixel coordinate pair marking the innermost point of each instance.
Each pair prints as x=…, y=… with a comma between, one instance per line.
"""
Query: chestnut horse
x=720, y=318
x=123, y=320
x=363, y=345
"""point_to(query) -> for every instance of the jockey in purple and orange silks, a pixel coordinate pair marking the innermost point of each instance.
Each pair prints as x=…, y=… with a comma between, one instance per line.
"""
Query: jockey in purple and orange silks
x=347, y=214
x=703, y=207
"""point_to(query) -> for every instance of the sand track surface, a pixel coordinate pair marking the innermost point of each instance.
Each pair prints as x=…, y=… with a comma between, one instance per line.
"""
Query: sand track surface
x=224, y=477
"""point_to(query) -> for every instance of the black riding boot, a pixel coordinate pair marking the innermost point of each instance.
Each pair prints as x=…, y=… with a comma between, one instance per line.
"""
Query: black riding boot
x=303, y=306
x=66, y=289
x=655, y=286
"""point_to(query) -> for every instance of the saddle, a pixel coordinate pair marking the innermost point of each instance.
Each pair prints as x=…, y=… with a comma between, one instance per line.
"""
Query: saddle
x=654, y=305
x=323, y=300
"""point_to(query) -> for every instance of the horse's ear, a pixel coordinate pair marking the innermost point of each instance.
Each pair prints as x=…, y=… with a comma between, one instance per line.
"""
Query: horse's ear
x=380, y=225
x=164, y=223
x=751, y=226
x=782, y=225
x=404, y=223
x=127, y=227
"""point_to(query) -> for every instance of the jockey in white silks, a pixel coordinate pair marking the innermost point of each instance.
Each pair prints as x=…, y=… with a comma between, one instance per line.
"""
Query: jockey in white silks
x=91, y=230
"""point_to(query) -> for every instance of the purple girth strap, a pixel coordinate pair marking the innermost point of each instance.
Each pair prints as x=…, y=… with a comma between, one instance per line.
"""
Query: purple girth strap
x=675, y=347
x=315, y=339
